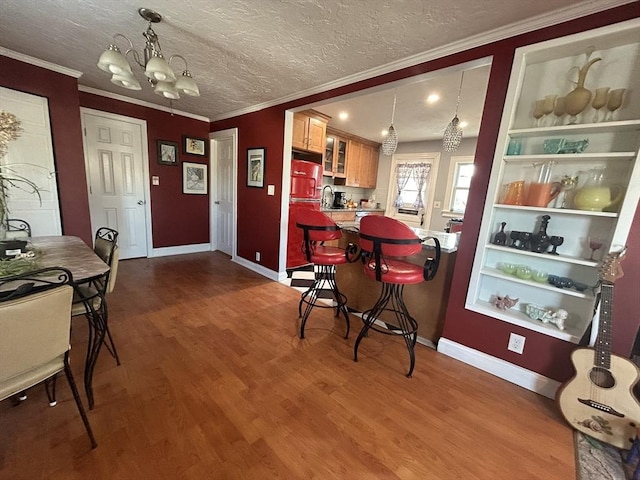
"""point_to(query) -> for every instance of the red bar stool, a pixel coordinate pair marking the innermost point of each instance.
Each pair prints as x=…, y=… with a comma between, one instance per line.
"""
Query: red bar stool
x=383, y=240
x=318, y=228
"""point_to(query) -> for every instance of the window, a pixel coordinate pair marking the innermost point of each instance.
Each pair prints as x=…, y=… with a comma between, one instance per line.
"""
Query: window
x=411, y=210
x=460, y=173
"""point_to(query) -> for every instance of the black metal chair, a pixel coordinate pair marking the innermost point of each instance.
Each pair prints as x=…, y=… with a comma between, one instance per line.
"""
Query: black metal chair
x=89, y=300
x=384, y=242
x=35, y=321
x=17, y=229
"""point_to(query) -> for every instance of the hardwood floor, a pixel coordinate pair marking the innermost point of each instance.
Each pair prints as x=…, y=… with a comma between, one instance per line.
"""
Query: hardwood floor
x=215, y=384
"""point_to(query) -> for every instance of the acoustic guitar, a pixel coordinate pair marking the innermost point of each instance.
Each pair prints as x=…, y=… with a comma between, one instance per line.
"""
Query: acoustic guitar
x=598, y=400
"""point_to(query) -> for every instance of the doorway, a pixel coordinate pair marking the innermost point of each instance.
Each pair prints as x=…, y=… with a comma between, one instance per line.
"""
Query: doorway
x=117, y=168
x=224, y=160
x=33, y=152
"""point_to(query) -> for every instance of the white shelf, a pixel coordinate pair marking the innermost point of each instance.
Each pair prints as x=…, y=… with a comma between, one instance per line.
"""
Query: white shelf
x=585, y=128
x=571, y=333
x=492, y=272
x=545, y=256
x=571, y=157
x=563, y=211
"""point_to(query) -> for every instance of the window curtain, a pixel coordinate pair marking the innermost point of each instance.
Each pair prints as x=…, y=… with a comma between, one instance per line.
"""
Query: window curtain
x=420, y=175
x=403, y=174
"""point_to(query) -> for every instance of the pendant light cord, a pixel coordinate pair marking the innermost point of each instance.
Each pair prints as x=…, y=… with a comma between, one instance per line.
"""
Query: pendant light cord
x=393, y=110
x=459, y=93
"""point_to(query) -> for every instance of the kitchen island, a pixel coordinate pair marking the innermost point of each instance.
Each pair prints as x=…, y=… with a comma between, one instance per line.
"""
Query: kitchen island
x=426, y=301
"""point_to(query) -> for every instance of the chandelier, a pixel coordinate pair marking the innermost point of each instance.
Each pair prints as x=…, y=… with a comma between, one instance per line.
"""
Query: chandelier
x=453, y=133
x=390, y=142
x=157, y=70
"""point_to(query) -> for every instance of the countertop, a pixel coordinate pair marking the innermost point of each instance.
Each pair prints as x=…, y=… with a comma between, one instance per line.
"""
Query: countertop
x=358, y=209
x=448, y=241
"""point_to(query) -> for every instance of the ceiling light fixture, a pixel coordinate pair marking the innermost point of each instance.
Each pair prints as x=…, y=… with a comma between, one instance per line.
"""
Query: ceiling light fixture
x=157, y=70
x=343, y=115
x=453, y=133
x=390, y=142
x=433, y=98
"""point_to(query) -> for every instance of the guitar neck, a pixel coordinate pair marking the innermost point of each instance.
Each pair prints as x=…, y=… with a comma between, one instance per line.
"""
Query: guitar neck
x=602, y=355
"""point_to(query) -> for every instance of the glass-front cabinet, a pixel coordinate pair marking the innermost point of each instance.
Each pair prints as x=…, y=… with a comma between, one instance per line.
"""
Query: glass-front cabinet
x=565, y=181
x=335, y=158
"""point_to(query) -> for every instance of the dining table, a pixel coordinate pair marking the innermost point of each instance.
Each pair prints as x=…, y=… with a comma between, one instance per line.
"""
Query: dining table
x=86, y=267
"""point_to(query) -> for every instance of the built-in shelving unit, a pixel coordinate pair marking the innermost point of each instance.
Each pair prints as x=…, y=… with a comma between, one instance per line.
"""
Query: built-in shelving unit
x=550, y=68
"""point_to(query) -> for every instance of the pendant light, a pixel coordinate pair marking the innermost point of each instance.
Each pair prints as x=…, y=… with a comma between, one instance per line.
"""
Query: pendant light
x=390, y=142
x=453, y=133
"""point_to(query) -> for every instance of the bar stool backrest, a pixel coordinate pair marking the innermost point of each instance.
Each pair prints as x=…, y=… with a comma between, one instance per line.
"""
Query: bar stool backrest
x=393, y=237
x=319, y=225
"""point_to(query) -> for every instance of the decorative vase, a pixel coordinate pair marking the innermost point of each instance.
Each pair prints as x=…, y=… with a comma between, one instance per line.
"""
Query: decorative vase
x=540, y=240
x=500, y=237
x=578, y=99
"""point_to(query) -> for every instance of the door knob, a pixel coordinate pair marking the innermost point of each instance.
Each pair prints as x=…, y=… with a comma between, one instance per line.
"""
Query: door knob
x=217, y=202
x=141, y=202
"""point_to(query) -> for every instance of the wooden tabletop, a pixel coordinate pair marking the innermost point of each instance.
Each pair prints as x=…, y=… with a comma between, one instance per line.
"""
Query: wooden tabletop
x=71, y=253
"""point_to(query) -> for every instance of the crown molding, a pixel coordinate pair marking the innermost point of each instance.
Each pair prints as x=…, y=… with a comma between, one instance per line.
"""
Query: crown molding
x=39, y=63
x=555, y=17
x=142, y=103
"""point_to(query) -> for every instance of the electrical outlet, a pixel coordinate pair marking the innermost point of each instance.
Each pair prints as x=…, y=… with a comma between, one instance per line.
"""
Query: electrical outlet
x=516, y=343
x=257, y=256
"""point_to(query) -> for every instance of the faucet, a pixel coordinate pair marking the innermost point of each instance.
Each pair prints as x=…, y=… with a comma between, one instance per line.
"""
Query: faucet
x=331, y=191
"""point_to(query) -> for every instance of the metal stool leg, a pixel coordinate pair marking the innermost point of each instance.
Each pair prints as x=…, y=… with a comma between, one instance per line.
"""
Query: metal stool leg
x=324, y=277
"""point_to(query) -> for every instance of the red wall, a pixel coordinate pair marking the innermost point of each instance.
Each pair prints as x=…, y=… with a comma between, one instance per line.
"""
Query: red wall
x=178, y=219
x=545, y=355
x=64, y=111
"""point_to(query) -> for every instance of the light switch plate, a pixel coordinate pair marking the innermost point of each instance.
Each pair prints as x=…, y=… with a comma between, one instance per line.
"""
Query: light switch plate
x=155, y=180
x=271, y=189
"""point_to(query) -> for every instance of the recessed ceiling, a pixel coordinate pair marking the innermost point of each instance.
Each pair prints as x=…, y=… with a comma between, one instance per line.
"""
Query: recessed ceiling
x=244, y=53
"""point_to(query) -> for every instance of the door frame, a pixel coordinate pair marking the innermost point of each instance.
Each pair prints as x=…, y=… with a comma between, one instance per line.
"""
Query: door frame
x=213, y=188
x=145, y=165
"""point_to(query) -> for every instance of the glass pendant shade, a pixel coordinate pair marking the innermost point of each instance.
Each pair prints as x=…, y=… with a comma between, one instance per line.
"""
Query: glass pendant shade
x=390, y=142
x=167, y=90
x=452, y=135
x=187, y=85
x=126, y=81
x=158, y=69
x=112, y=61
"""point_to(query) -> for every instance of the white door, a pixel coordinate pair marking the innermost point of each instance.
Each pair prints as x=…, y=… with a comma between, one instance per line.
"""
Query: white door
x=115, y=158
x=224, y=157
x=34, y=148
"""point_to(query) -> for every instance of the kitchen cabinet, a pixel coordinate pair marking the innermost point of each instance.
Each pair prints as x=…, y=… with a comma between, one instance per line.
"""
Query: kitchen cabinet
x=541, y=70
x=309, y=131
x=362, y=164
x=335, y=158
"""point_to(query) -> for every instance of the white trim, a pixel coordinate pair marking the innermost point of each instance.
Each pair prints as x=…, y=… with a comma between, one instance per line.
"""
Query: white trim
x=582, y=9
x=500, y=368
x=142, y=103
x=179, y=250
x=286, y=190
x=213, y=211
x=39, y=63
x=264, y=271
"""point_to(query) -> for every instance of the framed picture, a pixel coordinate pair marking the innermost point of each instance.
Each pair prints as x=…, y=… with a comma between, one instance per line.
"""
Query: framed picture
x=194, y=178
x=255, y=166
x=194, y=146
x=167, y=153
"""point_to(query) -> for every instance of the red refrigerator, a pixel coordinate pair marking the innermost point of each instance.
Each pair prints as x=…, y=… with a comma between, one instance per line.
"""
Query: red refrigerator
x=306, y=190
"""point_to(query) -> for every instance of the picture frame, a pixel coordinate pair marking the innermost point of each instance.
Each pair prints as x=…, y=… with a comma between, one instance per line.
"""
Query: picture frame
x=194, y=178
x=194, y=146
x=167, y=152
x=256, y=158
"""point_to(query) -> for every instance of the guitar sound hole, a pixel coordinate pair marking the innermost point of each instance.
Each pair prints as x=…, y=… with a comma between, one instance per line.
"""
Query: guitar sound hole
x=602, y=377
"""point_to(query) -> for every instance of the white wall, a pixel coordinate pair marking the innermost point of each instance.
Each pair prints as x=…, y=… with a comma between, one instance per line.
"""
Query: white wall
x=437, y=221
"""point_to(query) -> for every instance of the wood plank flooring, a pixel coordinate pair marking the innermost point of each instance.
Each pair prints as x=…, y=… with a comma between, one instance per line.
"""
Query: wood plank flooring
x=215, y=384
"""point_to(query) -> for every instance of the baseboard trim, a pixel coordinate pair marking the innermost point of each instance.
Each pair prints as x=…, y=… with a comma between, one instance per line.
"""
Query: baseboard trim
x=500, y=368
x=180, y=250
x=264, y=271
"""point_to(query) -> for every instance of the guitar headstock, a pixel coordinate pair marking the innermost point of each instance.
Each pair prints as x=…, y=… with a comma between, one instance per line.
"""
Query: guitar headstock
x=611, y=270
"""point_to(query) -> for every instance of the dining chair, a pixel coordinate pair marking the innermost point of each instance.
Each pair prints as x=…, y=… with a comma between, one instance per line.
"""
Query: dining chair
x=17, y=229
x=90, y=297
x=35, y=320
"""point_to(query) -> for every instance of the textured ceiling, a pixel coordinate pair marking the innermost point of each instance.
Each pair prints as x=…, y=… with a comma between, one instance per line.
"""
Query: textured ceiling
x=247, y=52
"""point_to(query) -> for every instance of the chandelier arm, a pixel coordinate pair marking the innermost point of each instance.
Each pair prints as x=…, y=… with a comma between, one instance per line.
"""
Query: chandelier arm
x=186, y=66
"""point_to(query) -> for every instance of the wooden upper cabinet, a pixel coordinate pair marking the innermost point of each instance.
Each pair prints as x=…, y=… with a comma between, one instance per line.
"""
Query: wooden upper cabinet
x=335, y=157
x=362, y=164
x=309, y=131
